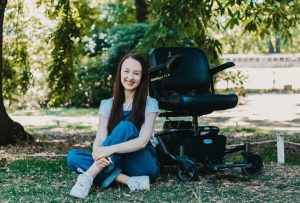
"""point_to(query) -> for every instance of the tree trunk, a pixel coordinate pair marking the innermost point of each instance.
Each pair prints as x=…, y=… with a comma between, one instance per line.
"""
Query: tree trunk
x=271, y=48
x=141, y=11
x=10, y=132
x=278, y=44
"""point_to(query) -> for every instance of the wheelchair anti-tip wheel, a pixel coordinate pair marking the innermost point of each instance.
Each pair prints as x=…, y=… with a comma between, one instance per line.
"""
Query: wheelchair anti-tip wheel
x=256, y=162
x=186, y=171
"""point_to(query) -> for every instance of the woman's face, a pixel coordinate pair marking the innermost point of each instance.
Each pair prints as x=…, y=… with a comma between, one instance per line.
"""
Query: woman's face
x=131, y=74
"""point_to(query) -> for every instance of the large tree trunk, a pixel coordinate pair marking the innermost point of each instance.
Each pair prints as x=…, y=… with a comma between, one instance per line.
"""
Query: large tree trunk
x=10, y=132
x=141, y=11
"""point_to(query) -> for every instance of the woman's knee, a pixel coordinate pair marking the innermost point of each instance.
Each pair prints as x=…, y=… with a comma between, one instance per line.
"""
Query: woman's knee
x=125, y=124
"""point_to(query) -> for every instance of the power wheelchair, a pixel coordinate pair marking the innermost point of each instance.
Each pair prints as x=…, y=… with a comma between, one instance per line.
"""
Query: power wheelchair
x=182, y=82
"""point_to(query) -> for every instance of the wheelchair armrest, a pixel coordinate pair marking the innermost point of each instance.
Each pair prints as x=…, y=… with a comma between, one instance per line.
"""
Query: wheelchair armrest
x=221, y=68
x=170, y=65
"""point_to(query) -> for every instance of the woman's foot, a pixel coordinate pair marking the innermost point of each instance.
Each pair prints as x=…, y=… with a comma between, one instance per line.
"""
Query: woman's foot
x=82, y=186
x=139, y=183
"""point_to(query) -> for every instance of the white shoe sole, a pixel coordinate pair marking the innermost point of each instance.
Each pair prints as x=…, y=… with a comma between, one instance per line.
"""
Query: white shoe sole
x=75, y=194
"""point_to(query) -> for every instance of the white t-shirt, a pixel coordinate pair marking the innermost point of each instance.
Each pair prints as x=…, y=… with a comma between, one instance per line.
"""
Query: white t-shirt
x=151, y=107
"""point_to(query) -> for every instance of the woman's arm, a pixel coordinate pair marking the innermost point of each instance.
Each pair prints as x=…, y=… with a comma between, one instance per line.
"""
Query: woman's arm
x=101, y=132
x=132, y=145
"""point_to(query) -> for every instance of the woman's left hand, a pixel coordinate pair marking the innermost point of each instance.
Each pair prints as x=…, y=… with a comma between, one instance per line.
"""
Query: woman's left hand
x=102, y=152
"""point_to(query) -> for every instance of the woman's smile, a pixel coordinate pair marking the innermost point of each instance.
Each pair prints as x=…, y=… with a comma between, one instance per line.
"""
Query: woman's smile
x=131, y=74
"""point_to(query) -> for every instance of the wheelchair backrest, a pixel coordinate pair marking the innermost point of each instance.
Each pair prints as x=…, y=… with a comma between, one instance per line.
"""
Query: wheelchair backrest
x=192, y=73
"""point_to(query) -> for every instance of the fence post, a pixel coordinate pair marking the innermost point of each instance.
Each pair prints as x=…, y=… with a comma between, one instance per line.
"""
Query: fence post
x=280, y=150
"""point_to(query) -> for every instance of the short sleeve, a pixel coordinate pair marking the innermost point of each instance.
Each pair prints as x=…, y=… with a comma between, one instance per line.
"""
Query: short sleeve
x=105, y=108
x=151, y=106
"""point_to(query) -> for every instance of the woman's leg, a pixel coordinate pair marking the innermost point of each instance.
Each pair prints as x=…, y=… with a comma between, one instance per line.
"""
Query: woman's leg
x=123, y=132
x=81, y=161
x=142, y=163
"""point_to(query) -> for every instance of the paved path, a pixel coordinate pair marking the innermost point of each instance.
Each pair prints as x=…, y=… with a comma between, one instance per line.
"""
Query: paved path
x=269, y=111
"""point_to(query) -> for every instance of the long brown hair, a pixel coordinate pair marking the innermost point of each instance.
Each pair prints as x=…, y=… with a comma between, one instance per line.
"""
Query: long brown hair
x=137, y=114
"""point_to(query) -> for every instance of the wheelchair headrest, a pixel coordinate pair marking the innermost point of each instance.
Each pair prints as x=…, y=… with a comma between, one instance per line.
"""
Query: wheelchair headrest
x=190, y=72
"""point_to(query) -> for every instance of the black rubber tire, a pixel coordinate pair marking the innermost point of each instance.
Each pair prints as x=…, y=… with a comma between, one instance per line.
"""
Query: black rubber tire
x=257, y=163
x=186, y=172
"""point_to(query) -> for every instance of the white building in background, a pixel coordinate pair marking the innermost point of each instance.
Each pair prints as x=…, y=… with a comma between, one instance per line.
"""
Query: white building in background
x=266, y=71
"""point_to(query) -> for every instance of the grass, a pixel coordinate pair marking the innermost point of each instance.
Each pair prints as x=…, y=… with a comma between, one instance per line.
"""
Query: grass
x=49, y=180
x=62, y=128
x=62, y=111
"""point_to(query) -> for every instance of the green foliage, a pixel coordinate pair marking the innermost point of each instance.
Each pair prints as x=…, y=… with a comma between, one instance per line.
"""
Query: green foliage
x=95, y=76
x=10, y=81
x=193, y=23
x=237, y=78
x=89, y=39
x=237, y=42
x=119, y=12
x=253, y=25
x=17, y=77
x=62, y=78
x=183, y=23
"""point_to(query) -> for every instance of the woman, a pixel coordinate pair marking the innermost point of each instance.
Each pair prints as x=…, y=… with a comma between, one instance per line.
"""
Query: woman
x=124, y=147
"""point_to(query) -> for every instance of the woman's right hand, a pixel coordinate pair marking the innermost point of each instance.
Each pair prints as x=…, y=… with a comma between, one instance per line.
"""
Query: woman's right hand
x=103, y=162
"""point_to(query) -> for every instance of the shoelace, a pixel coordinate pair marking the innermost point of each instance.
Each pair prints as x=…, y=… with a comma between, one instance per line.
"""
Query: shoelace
x=135, y=185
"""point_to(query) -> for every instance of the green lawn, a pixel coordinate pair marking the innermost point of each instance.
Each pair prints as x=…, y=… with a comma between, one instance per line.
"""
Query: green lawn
x=49, y=180
x=62, y=111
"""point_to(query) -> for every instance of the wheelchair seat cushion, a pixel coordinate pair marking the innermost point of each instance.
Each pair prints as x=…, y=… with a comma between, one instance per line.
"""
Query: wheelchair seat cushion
x=198, y=104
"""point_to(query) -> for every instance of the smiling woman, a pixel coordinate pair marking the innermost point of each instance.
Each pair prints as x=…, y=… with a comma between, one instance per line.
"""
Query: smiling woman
x=124, y=148
x=131, y=75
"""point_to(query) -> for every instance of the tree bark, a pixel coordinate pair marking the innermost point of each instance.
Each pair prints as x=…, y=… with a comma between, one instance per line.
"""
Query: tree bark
x=141, y=11
x=10, y=132
x=271, y=48
x=278, y=44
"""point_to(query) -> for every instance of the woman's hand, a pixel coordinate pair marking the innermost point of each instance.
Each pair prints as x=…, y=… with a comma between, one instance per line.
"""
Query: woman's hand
x=103, y=162
x=101, y=152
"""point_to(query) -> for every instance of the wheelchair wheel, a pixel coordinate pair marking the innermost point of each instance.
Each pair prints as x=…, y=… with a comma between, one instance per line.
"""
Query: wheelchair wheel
x=256, y=162
x=186, y=171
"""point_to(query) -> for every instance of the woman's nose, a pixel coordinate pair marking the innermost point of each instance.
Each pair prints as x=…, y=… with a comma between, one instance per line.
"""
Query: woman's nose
x=130, y=76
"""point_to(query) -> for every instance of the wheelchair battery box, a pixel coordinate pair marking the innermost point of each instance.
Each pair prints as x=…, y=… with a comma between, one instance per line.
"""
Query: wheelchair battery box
x=203, y=148
x=206, y=148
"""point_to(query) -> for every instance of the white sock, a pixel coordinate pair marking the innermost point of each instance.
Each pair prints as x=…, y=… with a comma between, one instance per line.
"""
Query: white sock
x=89, y=176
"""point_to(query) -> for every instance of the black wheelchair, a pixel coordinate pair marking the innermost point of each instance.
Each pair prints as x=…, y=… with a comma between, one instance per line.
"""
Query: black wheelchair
x=182, y=82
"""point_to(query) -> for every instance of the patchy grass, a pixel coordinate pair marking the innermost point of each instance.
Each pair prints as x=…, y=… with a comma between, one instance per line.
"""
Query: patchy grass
x=62, y=111
x=62, y=128
x=49, y=180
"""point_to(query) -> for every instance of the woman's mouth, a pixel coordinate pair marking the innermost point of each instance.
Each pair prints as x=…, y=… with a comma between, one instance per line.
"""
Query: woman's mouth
x=130, y=83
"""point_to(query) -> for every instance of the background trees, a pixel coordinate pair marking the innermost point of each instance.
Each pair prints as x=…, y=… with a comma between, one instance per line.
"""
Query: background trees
x=64, y=52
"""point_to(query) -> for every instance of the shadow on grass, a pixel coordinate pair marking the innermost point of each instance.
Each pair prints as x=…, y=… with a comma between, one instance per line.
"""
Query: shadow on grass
x=49, y=180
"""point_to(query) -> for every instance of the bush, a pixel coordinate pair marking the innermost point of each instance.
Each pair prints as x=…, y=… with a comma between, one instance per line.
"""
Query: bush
x=97, y=70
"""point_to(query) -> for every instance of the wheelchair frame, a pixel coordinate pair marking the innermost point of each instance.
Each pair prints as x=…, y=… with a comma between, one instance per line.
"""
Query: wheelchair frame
x=187, y=167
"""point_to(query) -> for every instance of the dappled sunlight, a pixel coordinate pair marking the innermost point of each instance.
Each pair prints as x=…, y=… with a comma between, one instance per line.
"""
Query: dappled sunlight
x=280, y=110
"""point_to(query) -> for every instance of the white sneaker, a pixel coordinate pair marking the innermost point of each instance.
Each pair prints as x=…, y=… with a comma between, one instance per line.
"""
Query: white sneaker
x=139, y=183
x=82, y=186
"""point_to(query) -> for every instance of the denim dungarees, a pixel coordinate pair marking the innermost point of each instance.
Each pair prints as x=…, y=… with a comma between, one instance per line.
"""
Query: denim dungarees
x=138, y=163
